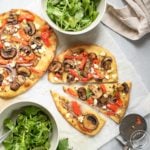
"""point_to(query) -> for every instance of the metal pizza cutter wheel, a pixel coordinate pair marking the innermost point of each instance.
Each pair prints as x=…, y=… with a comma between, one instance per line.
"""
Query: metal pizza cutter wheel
x=130, y=124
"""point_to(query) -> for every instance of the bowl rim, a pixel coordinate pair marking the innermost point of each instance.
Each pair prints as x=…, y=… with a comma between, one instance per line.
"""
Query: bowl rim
x=87, y=29
x=33, y=103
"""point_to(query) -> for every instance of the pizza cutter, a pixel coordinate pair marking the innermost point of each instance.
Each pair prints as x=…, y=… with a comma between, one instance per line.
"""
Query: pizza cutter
x=130, y=124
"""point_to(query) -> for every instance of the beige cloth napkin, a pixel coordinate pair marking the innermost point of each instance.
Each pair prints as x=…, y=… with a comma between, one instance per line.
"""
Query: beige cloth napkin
x=131, y=21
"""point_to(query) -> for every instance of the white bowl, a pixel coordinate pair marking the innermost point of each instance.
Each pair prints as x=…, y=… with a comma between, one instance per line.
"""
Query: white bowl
x=13, y=109
x=101, y=9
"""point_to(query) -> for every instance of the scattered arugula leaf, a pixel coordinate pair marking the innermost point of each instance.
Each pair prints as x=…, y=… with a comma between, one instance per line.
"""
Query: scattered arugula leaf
x=88, y=93
x=72, y=15
x=33, y=130
x=63, y=144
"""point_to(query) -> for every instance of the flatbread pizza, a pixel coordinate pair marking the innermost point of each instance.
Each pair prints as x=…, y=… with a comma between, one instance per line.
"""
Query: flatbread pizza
x=83, y=63
x=85, y=120
x=27, y=46
x=111, y=99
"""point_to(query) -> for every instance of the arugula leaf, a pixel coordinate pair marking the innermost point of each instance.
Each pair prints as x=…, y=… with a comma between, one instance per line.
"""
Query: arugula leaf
x=63, y=144
x=72, y=15
x=33, y=130
x=8, y=123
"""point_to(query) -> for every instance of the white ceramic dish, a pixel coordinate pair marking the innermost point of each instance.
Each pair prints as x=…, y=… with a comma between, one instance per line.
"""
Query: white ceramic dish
x=13, y=109
x=101, y=9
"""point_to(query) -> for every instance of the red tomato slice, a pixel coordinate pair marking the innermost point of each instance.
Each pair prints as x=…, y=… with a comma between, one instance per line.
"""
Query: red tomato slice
x=76, y=108
x=112, y=107
x=26, y=16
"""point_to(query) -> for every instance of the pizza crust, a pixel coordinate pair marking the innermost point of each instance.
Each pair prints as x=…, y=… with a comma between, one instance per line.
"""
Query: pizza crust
x=46, y=58
x=89, y=48
x=73, y=121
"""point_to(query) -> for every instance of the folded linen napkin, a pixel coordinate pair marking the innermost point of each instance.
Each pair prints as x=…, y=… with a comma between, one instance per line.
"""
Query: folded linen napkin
x=132, y=21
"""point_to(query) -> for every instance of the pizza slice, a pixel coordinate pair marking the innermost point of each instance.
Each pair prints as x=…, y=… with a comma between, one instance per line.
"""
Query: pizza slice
x=83, y=63
x=111, y=98
x=84, y=119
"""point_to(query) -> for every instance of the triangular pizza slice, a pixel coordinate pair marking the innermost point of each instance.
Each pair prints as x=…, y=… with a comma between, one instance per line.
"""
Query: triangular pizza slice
x=82, y=118
x=111, y=98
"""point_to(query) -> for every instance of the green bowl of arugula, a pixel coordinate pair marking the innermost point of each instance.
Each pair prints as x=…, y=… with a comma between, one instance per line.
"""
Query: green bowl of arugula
x=32, y=127
x=73, y=17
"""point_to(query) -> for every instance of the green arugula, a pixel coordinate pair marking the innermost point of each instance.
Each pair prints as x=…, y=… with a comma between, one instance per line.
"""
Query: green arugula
x=72, y=15
x=63, y=144
x=32, y=131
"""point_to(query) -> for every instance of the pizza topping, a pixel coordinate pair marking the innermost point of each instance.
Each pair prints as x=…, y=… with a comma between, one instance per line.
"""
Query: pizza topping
x=8, y=53
x=92, y=56
x=1, y=79
x=82, y=93
x=106, y=63
x=71, y=92
x=76, y=108
x=35, y=42
x=30, y=28
x=102, y=101
x=112, y=107
x=90, y=122
x=25, y=49
x=125, y=87
x=68, y=64
x=77, y=51
x=14, y=85
x=55, y=66
x=23, y=71
x=12, y=19
x=70, y=78
x=21, y=79
x=26, y=16
x=97, y=92
x=10, y=29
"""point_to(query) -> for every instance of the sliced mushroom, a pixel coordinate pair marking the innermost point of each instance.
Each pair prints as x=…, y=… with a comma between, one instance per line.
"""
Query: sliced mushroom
x=25, y=49
x=97, y=92
x=126, y=87
x=77, y=51
x=30, y=28
x=70, y=78
x=106, y=63
x=87, y=68
x=1, y=79
x=21, y=79
x=35, y=43
x=8, y=53
x=24, y=71
x=102, y=101
x=90, y=122
x=14, y=85
x=55, y=66
x=12, y=19
x=68, y=64
x=82, y=93
x=92, y=56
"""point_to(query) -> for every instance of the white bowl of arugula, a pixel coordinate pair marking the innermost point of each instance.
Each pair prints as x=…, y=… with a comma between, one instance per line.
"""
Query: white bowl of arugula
x=73, y=17
x=30, y=126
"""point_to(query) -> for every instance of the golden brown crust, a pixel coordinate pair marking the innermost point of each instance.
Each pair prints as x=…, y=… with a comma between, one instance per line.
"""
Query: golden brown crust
x=125, y=99
x=72, y=120
x=89, y=48
x=41, y=67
